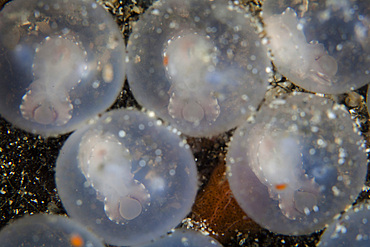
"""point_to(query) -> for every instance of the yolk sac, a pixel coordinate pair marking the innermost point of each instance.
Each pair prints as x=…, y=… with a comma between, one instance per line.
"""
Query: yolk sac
x=351, y=229
x=320, y=46
x=297, y=165
x=184, y=237
x=126, y=172
x=47, y=230
x=62, y=63
x=199, y=65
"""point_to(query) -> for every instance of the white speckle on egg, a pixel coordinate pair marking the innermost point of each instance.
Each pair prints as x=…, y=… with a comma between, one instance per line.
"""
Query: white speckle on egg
x=96, y=84
x=122, y=133
x=172, y=172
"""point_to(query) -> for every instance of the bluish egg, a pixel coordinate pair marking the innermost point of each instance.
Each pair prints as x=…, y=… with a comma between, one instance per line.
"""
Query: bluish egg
x=351, y=229
x=321, y=46
x=297, y=165
x=61, y=64
x=199, y=65
x=47, y=230
x=126, y=177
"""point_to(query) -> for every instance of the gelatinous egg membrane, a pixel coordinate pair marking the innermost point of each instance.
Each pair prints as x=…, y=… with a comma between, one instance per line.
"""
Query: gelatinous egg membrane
x=299, y=164
x=322, y=46
x=184, y=237
x=351, y=229
x=199, y=65
x=127, y=178
x=47, y=230
x=61, y=63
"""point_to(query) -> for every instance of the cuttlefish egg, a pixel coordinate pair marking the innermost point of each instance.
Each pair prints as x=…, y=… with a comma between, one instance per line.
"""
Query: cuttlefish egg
x=351, y=229
x=126, y=172
x=184, y=238
x=61, y=64
x=320, y=46
x=199, y=65
x=297, y=165
x=47, y=230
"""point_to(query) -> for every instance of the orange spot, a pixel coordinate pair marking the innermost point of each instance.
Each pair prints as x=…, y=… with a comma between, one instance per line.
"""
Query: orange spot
x=77, y=240
x=280, y=186
x=217, y=208
x=165, y=60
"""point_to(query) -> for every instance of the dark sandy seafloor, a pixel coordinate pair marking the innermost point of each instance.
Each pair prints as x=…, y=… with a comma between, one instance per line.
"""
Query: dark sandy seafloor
x=27, y=184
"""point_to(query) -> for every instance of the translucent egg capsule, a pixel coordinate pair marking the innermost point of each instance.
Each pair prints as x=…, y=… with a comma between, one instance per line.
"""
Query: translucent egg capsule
x=199, y=65
x=126, y=177
x=184, y=238
x=351, y=229
x=299, y=164
x=47, y=230
x=62, y=63
x=322, y=46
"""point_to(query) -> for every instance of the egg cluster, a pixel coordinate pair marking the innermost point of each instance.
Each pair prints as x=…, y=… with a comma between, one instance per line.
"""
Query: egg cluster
x=197, y=69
